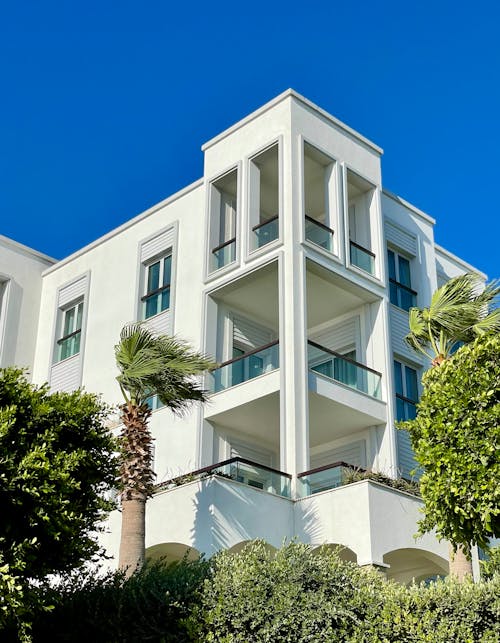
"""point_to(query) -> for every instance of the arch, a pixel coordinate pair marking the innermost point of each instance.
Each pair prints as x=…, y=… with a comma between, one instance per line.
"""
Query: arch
x=413, y=564
x=344, y=553
x=235, y=549
x=172, y=552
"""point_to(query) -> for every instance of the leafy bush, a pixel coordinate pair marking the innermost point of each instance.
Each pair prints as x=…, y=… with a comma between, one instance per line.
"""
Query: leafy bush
x=154, y=604
x=292, y=595
x=491, y=565
x=442, y=612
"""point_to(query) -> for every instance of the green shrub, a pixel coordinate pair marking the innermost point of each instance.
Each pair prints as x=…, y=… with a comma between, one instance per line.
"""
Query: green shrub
x=442, y=612
x=152, y=605
x=293, y=595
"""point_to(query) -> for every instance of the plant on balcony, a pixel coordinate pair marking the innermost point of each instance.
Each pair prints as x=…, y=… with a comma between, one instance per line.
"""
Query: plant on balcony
x=149, y=365
x=401, y=484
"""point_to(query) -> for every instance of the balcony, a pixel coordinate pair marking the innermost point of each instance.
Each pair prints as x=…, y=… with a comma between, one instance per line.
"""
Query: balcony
x=344, y=370
x=266, y=231
x=240, y=470
x=362, y=258
x=323, y=478
x=223, y=254
x=245, y=367
x=318, y=233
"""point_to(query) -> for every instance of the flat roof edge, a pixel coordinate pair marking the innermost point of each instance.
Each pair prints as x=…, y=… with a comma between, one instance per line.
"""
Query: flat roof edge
x=454, y=257
x=290, y=93
x=409, y=205
x=7, y=241
x=125, y=226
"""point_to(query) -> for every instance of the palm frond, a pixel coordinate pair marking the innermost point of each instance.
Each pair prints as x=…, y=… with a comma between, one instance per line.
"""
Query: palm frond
x=460, y=310
x=152, y=364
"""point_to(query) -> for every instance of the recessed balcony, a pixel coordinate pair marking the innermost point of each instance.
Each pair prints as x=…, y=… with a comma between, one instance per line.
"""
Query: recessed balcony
x=362, y=258
x=266, y=231
x=243, y=368
x=223, y=254
x=318, y=233
x=343, y=369
x=240, y=470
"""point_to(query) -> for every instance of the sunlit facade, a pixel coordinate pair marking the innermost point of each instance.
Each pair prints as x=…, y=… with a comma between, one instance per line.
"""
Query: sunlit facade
x=292, y=266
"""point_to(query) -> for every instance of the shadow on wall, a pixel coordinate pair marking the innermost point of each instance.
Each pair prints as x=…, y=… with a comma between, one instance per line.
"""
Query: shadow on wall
x=227, y=514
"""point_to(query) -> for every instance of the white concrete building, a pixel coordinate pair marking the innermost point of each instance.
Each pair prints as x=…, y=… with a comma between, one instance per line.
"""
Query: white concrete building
x=290, y=264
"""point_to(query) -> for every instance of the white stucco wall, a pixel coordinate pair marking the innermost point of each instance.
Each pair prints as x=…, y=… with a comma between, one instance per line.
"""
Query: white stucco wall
x=21, y=284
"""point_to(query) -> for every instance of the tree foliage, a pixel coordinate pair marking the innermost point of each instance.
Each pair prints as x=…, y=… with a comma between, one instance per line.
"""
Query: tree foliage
x=461, y=310
x=296, y=595
x=456, y=440
x=56, y=463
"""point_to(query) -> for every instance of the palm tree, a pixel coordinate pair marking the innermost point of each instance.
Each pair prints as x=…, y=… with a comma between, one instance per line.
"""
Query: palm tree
x=149, y=365
x=460, y=311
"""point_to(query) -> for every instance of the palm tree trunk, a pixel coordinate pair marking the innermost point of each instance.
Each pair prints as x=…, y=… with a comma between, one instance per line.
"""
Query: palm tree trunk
x=132, y=543
x=460, y=565
x=137, y=483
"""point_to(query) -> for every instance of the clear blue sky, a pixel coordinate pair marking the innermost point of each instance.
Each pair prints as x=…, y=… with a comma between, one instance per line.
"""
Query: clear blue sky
x=104, y=105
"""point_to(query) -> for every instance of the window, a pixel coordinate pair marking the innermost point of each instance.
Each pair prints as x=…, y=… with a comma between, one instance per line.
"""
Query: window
x=400, y=291
x=264, y=193
x=361, y=208
x=154, y=402
x=157, y=281
x=71, y=331
x=223, y=215
x=320, y=197
x=406, y=391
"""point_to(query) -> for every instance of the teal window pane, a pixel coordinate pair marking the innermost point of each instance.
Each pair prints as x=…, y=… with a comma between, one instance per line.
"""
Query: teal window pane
x=398, y=378
x=165, y=299
x=167, y=270
x=69, y=318
x=404, y=272
x=154, y=276
x=392, y=265
x=151, y=306
x=411, y=383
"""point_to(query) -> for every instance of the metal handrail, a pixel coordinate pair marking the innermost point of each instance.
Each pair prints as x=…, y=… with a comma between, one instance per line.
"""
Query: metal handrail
x=356, y=245
x=318, y=223
x=73, y=334
x=406, y=399
x=347, y=359
x=334, y=465
x=218, y=465
x=156, y=291
x=224, y=244
x=397, y=283
x=263, y=223
x=252, y=352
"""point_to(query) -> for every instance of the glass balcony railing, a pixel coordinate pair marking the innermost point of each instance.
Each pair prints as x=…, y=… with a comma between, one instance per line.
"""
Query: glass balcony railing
x=245, y=367
x=318, y=233
x=324, y=478
x=223, y=254
x=343, y=369
x=265, y=232
x=362, y=258
x=247, y=472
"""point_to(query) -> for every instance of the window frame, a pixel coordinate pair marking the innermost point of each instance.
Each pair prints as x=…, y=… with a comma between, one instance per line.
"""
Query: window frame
x=404, y=396
x=78, y=306
x=395, y=281
x=156, y=292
